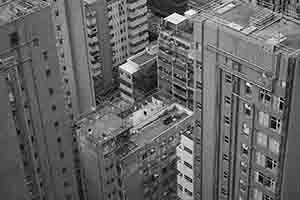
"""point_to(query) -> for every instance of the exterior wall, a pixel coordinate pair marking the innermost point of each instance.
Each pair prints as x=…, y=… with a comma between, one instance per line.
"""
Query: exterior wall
x=73, y=55
x=117, y=15
x=137, y=25
x=175, y=68
x=244, y=120
x=40, y=108
x=290, y=183
x=185, y=165
x=154, y=176
x=11, y=170
x=98, y=38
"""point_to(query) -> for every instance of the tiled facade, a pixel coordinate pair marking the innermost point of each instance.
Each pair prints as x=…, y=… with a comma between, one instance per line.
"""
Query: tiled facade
x=39, y=161
x=247, y=133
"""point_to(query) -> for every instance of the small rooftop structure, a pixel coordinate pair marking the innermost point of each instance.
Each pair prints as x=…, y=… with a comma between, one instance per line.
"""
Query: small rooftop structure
x=134, y=63
x=12, y=10
x=189, y=13
x=175, y=18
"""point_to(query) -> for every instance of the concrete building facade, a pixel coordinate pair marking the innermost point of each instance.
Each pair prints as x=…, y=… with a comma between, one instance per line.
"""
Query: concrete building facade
x=185, y=165
x=122, y=30
x=175, y=59
x=99, y=46
x=138, y=36
x=136, y=157
x=39, y=161
x=73, y=55
x=138, y=76
x=245, y=144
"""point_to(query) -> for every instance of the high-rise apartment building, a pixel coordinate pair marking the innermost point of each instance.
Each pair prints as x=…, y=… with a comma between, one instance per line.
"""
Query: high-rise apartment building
x=37, y=159
x=138, y=36
x=99, y=46
x=72, y=51
x=131, y=153
x=175, y=59
x=122, y=30
x=247, y=138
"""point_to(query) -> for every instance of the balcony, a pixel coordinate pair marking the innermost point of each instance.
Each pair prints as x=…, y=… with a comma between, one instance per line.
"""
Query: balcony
x=137, y=12
x=135, y=4
x=138, y=38
x=139, y=21
x=141, y=28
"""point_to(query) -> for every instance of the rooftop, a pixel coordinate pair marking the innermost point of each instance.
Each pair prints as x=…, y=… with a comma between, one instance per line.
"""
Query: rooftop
x=135, y=62
x=145, y=122
x=260, y=23
x=175, y=18
x=12, y=10
x=142, y=58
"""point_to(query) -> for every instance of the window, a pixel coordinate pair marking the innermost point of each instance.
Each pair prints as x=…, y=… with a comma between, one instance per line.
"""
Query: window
x=225, y=157
x=53, y=107
x=58, y=27
x=61, y=155
x=275, y=124
x=248, y=88
x=278, y=103
x=246, y=129
x=36, y=42
x=228, y=78
x=226, y=139
x=199, y=105
x=225, y=174
x=270, y=163
x=247, y=109
x=267, y=197
x=243, y=186
x=56, y=13
x=188, y=150
x=188, y=179
x=48, y=72
x=14, y=39
x=244, y=167
x=188, y=165
x=179, y=187
x=45, y=55
x=262, y=139
x=227, y=100
x=265, y=96
x=227, y=120
x=265, y=181
x=188, y=192
x=56, y=124
x=273, y=146
x=263, y=119
x=224, y=191
x=199, y=85
x=245, y=149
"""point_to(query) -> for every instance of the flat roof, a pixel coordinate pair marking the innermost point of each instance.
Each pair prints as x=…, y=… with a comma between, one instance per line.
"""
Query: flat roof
x=133, y=63
x=175, y=18
x=259, y=23
x=142, y=58
x=12, y=10
x=157, y=127
x=105, y=122
x=190, y=12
